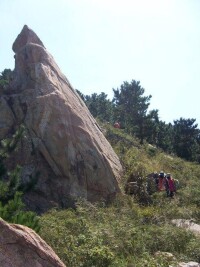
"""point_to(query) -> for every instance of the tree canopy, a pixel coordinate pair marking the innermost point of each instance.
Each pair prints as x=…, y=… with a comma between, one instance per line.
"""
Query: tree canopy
x=130, y=108
x=5, y=77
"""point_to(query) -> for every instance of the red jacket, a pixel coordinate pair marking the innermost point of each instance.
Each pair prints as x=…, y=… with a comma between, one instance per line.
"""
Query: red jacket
x=171, y=185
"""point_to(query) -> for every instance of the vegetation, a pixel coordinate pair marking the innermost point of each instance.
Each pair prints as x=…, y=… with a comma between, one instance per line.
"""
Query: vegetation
x=99, y=106
x=130, y=231
x=12, y=208
x=129, y=107
x=5, y=77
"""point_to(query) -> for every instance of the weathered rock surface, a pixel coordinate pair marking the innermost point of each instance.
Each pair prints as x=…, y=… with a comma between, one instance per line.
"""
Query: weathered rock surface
x=63, y=148
x=186, y=264
x=189, y=264
x=169, y=257
x=25, y=37
x=6, y=118
x=20, y=246
x=187, y=224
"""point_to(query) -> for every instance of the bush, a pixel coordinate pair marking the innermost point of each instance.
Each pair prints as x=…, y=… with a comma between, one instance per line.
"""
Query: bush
x=12, y=208
x=13, y=212
x=121, y=234
x=193, y=249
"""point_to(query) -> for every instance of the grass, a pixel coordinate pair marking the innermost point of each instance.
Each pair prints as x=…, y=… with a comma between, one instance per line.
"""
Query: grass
x=126, y=233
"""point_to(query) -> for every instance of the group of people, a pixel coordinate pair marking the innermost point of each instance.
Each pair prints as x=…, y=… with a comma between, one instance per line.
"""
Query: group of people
x=165, y=182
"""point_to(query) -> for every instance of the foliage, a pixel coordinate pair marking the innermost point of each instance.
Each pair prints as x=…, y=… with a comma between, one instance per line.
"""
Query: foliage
x=12, y=208
x=99, y=106
x=9, y=144
x=14, y=212
x=5, y=77
x=11, y=185
x=187, y=139
x=121, y=234
x=127, y=232
x=165, y=137
x=130, y=108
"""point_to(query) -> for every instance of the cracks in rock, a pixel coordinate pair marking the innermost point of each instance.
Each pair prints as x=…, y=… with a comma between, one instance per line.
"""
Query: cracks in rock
x=56, y=170
x=10, y=104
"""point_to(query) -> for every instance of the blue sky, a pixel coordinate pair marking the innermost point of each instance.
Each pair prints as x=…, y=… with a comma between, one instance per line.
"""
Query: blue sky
x=98, y=44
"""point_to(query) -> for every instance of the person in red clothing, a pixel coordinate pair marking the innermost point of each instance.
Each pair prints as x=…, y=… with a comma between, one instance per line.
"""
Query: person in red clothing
x=171, y=185
x=161, y=181
x=117, y=125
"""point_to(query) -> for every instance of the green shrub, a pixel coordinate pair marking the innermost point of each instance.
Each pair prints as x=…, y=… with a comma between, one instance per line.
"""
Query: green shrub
x=13, y=212
x=193, y=249
x=121, y=234
x=12, y=208
x=99, y=256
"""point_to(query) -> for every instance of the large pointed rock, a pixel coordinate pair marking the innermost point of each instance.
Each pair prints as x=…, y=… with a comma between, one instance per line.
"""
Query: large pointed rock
x=63, y=147
x=26, y=36
x=20, y=246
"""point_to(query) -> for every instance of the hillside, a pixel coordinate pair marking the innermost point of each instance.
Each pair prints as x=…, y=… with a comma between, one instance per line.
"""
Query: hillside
x=129, y=231
x=66, y=176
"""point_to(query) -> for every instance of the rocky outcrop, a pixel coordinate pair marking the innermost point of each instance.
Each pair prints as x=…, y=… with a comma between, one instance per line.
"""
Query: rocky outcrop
x=26, y=36
x=187, y=224
x=63, y=149
x=170, y=258
x=189, y=264
x=20, y=246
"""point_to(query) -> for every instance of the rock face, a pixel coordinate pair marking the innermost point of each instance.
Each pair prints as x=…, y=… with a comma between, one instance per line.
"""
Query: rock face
x=20, y=246
x=189, y=264
x=6, y=118
x=62, y=149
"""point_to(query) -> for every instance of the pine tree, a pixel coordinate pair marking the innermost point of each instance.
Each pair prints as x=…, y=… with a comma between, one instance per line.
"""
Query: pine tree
x=12, y=208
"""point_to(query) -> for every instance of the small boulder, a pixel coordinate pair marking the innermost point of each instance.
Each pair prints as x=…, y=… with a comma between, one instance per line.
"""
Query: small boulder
x=189, y=264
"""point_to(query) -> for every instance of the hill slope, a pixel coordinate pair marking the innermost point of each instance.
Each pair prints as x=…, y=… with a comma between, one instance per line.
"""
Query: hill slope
x=126, y=233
